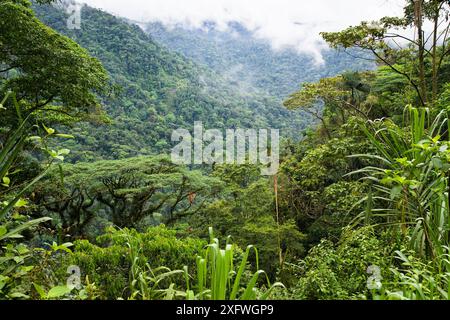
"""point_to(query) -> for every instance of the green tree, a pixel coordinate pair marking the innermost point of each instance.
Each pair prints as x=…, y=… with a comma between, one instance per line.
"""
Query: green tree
x=49, y=72
x=128, y=191
x=382, y=39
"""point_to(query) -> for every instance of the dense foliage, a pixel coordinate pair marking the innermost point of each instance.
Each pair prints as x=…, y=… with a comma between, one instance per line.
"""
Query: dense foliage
x=358, y=210
x=249, y=62
x=154, y=91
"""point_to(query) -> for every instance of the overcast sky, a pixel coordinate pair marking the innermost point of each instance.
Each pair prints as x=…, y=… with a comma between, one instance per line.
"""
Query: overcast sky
x=285, y=23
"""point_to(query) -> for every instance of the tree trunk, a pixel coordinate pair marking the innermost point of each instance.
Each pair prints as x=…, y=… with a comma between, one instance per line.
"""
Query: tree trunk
x=418, y=5
x=434, y=57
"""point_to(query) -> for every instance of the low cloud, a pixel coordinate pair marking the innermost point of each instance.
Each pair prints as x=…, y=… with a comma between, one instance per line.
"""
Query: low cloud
x=285, y=23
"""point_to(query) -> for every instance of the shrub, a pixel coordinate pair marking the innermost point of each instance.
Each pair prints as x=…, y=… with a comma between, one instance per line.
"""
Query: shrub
x=340, y=271
x=108, y=262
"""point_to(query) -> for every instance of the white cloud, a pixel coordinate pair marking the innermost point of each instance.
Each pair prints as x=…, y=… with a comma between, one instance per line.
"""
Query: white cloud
x=285, y=23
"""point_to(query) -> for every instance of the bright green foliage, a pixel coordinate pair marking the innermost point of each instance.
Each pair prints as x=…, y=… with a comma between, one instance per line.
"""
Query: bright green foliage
x=46, y=70
x=391, y=92
x=359, y=209
x=381, y=38
x=129, y=192
x=217, y=274
x=219, y=279
x=416, y=279
x=340, y=272
x=14, y=268
x=341, y=95
x=114, y=263
x=316, y=176
x=246, y=211
x=411, y=178
x=156, y=91
x=410, y=193
x=14, y=257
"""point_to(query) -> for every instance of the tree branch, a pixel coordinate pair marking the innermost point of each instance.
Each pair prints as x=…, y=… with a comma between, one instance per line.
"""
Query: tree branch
x=401, y=73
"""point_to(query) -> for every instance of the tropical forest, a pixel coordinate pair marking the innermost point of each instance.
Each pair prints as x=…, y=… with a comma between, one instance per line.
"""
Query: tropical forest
x=93, y=207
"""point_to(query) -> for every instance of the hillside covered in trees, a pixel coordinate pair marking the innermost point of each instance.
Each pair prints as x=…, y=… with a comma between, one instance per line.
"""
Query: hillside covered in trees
x=154, y=90
x=250, y=62
x=92, y=207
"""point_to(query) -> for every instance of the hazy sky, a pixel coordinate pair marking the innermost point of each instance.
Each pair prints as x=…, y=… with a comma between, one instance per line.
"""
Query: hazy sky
x=286, y=23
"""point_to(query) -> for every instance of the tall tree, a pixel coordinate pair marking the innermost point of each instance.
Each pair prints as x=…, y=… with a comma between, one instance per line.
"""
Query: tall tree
x=338, y=94
x=47, y=71
x=382, y=39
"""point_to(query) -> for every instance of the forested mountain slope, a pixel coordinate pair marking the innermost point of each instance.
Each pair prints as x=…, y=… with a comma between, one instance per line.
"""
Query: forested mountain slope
x=358, y=210
x=249, y=62
x=158, y=91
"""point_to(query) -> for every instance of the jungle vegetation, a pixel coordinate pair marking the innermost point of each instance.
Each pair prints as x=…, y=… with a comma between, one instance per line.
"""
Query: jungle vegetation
x=92, y=208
